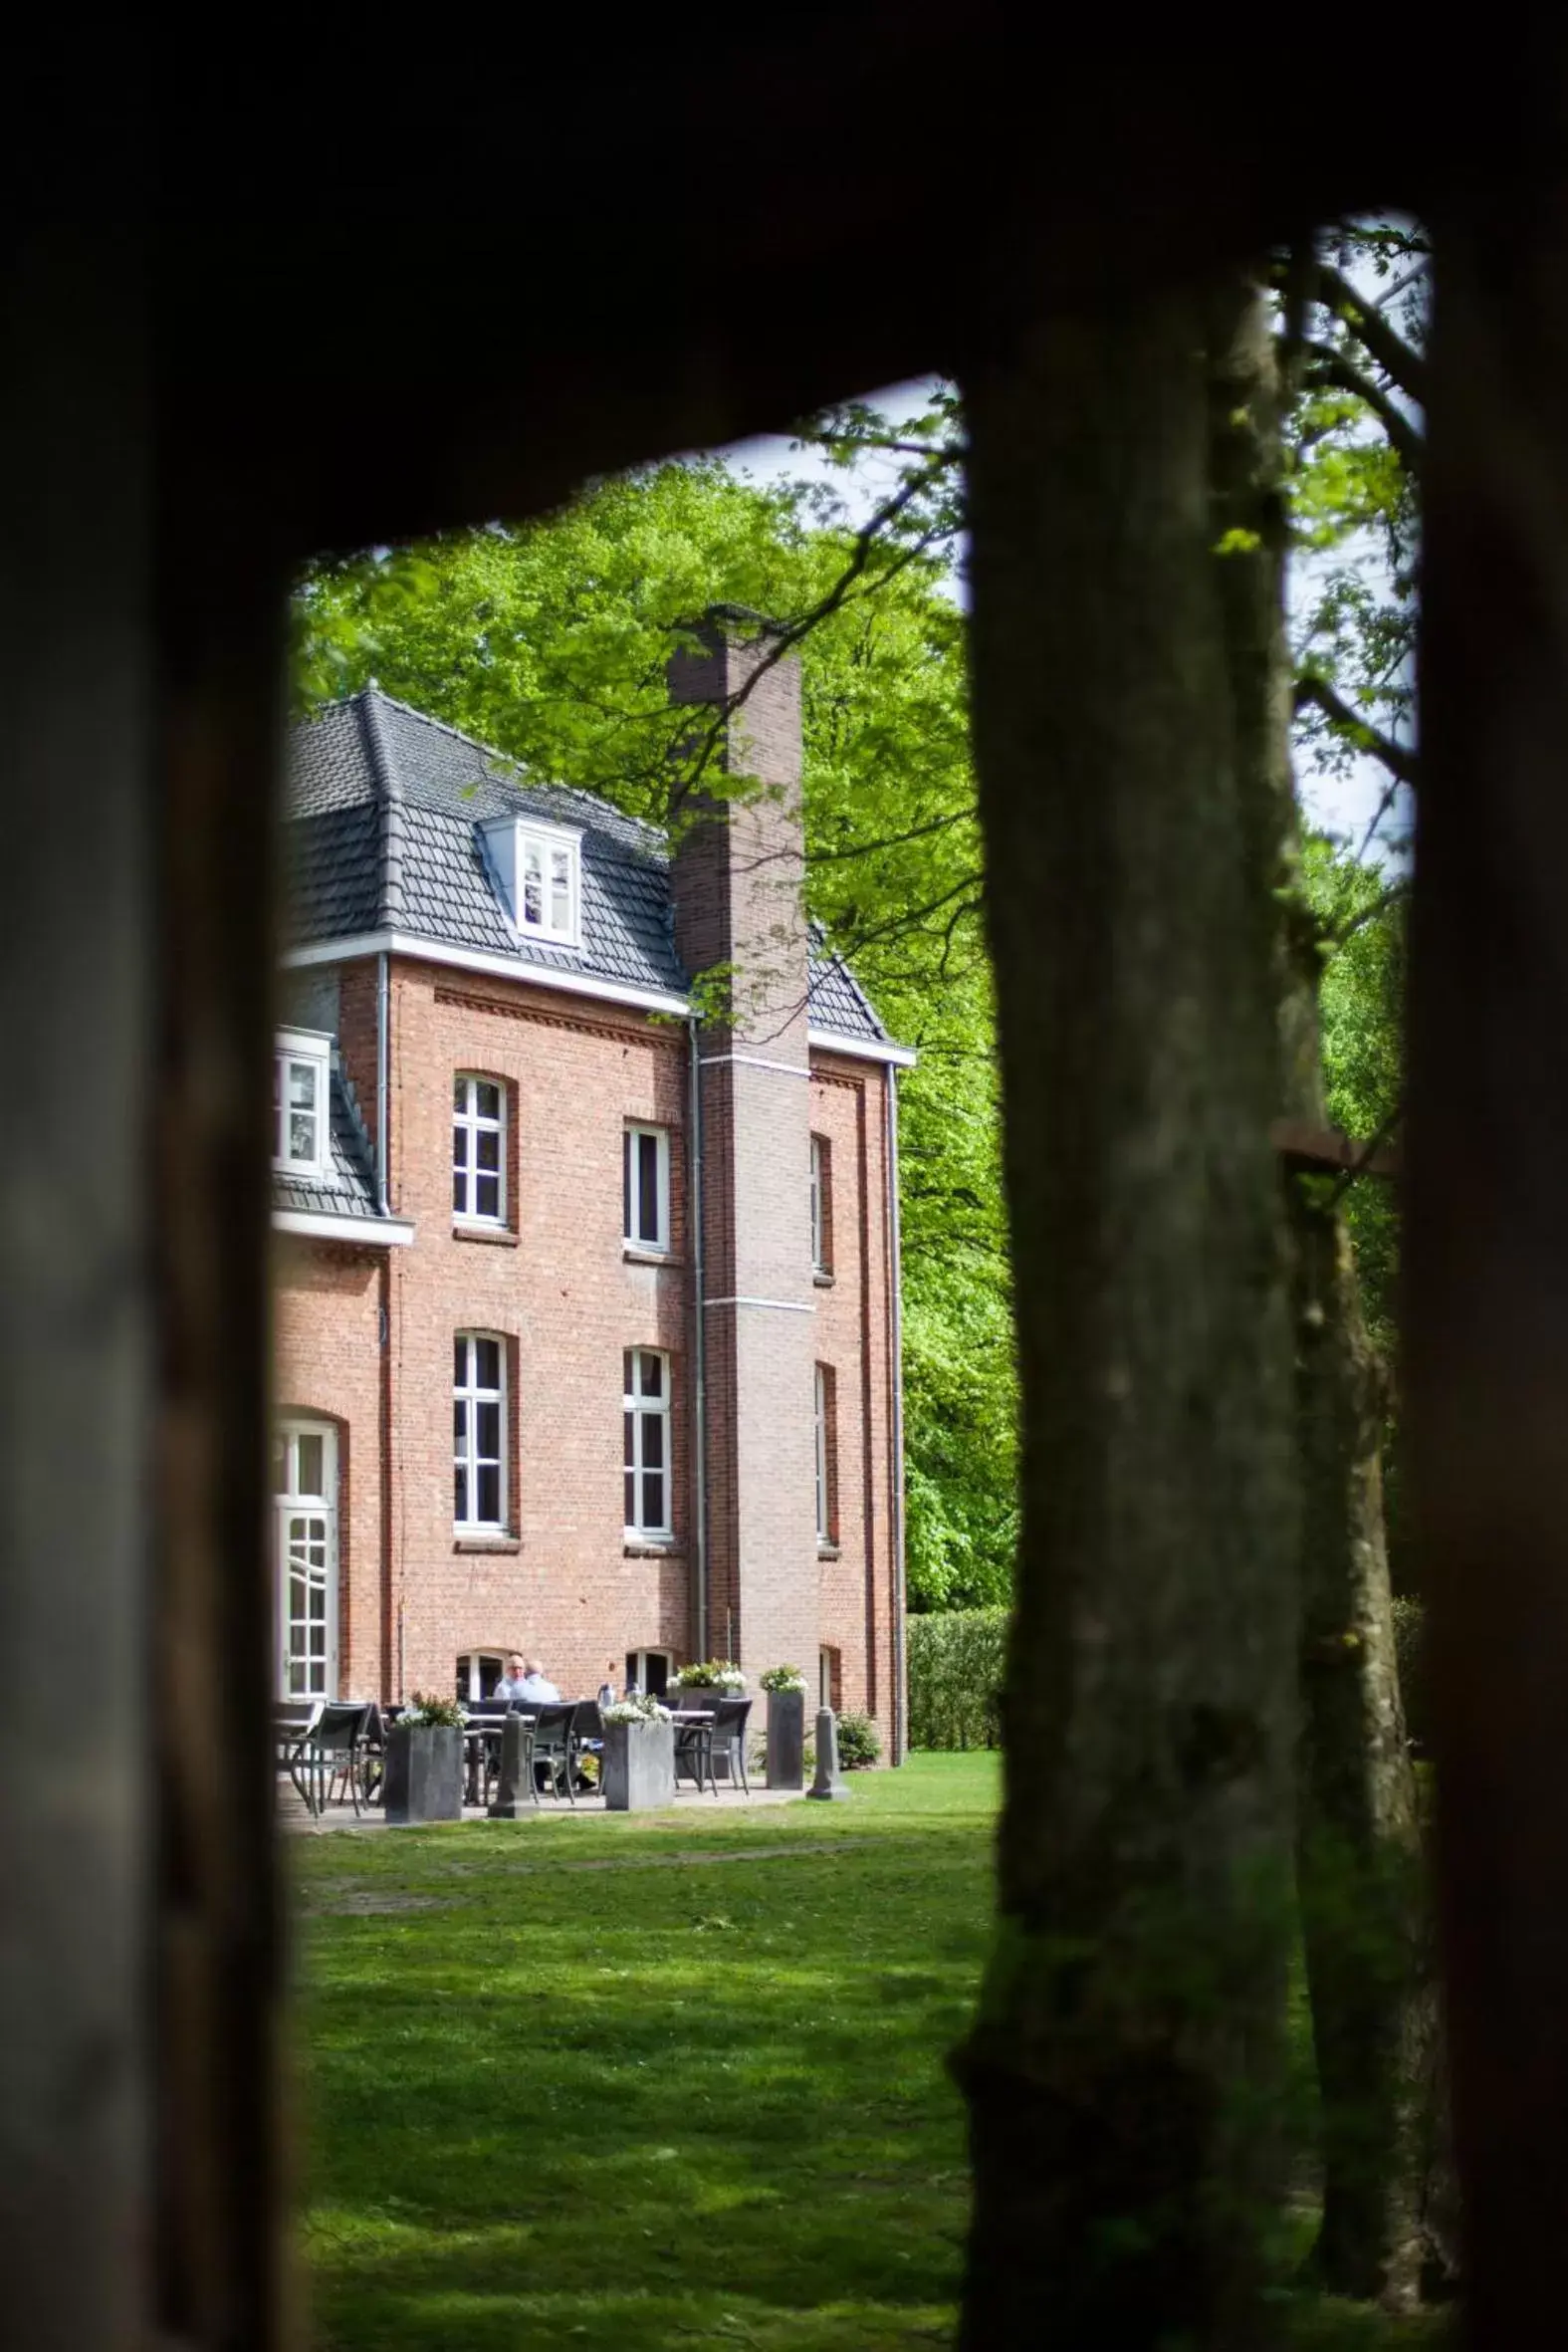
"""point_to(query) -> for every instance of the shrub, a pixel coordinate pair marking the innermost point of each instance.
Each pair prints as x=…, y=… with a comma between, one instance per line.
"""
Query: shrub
x=782, y=1678
x=956, y=1661
x=442, y=1714
x=1409, y=1651
x=858, y=1742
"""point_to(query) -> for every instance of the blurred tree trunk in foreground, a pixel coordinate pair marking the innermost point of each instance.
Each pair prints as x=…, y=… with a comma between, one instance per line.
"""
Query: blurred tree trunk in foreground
x=1122, y=2073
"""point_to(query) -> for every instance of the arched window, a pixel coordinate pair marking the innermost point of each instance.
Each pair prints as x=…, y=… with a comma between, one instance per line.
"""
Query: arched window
x=305, y=1528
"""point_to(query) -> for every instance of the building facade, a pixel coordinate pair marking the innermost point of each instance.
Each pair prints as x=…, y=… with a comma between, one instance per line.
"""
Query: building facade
x=586, y=1306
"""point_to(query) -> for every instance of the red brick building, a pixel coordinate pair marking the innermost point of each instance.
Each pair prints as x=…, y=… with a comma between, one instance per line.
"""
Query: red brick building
x=587, y=1307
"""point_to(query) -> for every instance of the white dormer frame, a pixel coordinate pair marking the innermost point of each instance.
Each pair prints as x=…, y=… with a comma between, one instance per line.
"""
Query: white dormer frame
x=538, y=869
x=295, y=1052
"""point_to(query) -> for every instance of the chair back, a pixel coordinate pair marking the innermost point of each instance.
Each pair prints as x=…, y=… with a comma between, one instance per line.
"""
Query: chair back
x=590, y=1724
x=729, y=1720
x=553, y=1730
x=340, y=1727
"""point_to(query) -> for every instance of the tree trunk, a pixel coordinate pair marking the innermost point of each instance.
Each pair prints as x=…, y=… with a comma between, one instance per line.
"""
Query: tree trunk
x=1358, y=1841
x=1359, y=1858
x=1122, y=2071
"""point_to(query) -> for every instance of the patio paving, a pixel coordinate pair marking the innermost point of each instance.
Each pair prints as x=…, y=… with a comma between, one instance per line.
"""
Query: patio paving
x=292, y=1815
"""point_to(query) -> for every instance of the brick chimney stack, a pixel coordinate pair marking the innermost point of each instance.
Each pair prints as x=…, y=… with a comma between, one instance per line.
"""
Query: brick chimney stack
x=738, y=896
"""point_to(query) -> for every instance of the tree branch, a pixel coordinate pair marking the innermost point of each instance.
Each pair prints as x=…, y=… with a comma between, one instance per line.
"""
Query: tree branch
x=1369, y=914
x=1397, y=758
x=1388, y=348
x=1332, y=367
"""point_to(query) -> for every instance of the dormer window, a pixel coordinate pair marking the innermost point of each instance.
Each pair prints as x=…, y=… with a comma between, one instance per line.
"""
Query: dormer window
x=299, y=1101
x=539, y=871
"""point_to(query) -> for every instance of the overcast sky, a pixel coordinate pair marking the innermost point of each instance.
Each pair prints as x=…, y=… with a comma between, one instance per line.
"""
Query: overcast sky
x=1342, y=804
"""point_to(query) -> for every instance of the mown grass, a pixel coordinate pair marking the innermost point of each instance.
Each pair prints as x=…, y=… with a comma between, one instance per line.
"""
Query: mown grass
x=682, y=2079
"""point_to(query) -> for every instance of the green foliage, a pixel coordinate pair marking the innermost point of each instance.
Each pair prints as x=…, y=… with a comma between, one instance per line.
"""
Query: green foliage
x=549, y=640
x=782, y=1678
x=956, y=1660
x=859, y=1743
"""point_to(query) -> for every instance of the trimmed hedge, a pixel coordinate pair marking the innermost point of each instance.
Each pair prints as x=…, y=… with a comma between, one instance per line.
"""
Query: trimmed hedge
x=955, y=1660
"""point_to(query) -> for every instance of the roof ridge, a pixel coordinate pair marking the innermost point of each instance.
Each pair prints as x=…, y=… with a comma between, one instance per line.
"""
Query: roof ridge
x=384, y=769
x=491, y=751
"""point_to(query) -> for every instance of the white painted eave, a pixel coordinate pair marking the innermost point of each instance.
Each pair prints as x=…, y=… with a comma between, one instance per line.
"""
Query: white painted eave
x=827, y=1041
x=494, y=967
x=382, y=1233
x=581, y=984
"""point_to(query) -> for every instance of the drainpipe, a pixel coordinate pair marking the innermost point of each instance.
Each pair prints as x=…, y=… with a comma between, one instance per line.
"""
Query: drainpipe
x=382, y=1077
x=896, y=1497
x=699, y=1347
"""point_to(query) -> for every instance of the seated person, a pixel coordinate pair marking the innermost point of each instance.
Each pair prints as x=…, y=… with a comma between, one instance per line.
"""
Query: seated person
x=534, y=1686
x=606, y=1695
x=510, y=1686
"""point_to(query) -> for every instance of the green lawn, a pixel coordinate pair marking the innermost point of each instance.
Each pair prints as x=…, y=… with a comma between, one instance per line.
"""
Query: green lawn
x=568, y=2080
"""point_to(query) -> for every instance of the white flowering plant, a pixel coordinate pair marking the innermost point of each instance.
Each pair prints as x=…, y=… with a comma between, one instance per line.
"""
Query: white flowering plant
x=715, y=1674
x=783, y=1677
x=442, y=1714
x=634, y=1710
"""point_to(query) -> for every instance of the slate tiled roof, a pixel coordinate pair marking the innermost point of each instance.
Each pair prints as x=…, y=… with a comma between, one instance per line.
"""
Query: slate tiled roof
x=348, y=1187
x=835, y=999
x=384, y=807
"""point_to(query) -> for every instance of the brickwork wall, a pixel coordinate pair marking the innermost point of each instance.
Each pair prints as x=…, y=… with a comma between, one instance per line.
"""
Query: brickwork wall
x=562, y=1583
x=851, y=1335
x=328, y=1367
x=738, y=899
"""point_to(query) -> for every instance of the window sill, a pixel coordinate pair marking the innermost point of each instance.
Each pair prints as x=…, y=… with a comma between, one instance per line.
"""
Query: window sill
x=823, y=1280
x=829, y=1552
x=634, y=1256
x=652, y=1547
x=496, y=1235
x=486, y=1544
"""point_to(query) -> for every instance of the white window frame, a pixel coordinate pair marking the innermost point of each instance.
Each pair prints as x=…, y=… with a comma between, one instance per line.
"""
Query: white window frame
x=470, y=1684
x=820, y=1155
x=292, y=1503
x=512, y=841
x=298, y=1048
x=466, y=1455
x=639, y=1659
x=638, y=1411
x=824, y=1501
x=631, y=1190
x=470, y=1123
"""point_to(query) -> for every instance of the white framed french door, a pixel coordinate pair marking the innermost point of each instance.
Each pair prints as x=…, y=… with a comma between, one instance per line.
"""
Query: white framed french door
x=304, y=1505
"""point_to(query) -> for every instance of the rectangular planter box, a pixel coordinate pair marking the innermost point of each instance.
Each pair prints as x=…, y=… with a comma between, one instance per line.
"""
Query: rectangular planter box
x=786, y=1739
x=425, y=1772
x=638, y=1767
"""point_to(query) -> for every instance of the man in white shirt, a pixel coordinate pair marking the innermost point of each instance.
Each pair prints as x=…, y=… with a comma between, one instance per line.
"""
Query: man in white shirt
x=535, y=1687
x=510, y=1686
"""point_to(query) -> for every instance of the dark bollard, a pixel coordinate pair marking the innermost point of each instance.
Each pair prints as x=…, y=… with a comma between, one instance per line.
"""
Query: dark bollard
x=513, y=1786
x=828, y=1783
